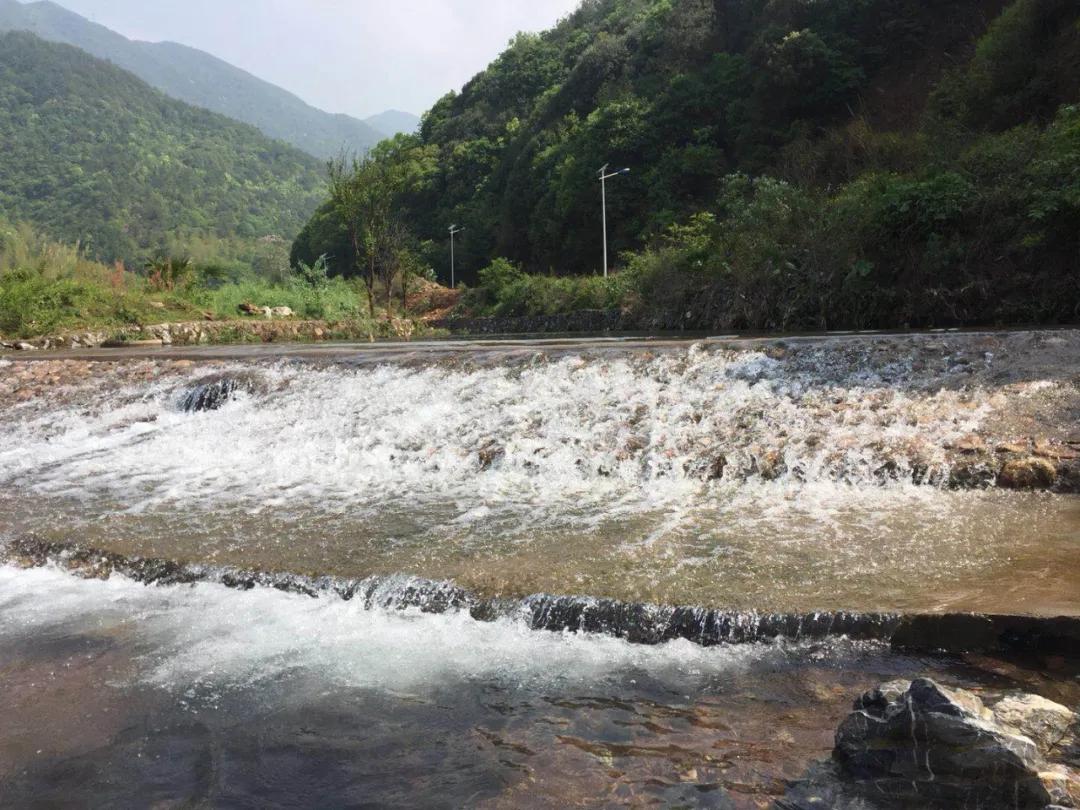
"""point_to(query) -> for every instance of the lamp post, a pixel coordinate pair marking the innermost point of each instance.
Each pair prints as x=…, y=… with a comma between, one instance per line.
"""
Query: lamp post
x=454, y=231
x=604, y=176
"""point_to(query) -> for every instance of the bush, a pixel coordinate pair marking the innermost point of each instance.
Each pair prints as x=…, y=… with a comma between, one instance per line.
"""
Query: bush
x=507, y=290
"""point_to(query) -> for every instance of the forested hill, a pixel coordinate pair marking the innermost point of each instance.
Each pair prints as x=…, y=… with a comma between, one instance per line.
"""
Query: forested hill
x=91, y=153
x=685, y=92
x=200, y=79
x=794, y=164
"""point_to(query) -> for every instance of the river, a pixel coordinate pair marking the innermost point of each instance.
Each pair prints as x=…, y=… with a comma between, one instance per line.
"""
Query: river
x=749, y=478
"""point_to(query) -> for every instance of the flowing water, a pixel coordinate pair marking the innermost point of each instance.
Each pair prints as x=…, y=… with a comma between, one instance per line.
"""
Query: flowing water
x=822, y=477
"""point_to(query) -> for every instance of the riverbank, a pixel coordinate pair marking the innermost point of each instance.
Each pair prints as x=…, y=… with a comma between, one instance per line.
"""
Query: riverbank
x=203, y=333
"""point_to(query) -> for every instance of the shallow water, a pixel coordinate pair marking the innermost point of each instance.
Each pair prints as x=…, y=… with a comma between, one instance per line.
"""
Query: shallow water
x=705, y=477
x=121, y=695
x=695, y=475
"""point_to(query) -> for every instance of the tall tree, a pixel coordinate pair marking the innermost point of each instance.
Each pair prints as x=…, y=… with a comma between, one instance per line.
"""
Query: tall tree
x=361, y=196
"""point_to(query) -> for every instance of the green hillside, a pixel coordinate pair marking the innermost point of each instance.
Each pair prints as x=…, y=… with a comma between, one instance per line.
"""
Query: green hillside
x=200, y=79
x=794, y=165
x=93, y=154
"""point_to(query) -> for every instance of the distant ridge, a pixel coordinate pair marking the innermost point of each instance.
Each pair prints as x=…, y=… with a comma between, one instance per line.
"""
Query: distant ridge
x=93, y=154
x=203, y=80
x=392, y=122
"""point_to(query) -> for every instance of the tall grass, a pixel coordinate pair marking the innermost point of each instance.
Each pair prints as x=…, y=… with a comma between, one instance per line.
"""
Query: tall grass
x=47, y=287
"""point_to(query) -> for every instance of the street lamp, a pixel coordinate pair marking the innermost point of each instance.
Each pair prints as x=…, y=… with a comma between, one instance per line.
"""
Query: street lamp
x=454, y=231
x=604, y=176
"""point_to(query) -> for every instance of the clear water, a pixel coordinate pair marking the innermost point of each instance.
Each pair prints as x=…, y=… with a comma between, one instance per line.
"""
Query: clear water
x=120, y=695
x=576, y=472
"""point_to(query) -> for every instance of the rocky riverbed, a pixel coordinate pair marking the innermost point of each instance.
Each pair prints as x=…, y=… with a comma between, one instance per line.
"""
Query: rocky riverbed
x=542, y=573
x=1022, y=390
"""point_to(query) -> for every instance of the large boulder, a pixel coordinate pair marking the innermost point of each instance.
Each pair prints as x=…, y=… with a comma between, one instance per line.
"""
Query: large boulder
x=920, y=744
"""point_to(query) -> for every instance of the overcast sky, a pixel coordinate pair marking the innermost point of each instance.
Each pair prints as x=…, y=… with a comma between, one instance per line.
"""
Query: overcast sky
x=353, y=56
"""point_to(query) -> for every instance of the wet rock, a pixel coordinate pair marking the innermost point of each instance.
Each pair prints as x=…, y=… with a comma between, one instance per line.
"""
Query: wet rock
x=704, y=469
x=715, y=470
x=969, y=445
x=1014, y=448
x=1055, y=452
x=919, y=742
x=971, y=476
x=776, y=352
x=489, y=454
x=1027, y=473
x=212, y=394
x=1068, y=478
x=769, y=464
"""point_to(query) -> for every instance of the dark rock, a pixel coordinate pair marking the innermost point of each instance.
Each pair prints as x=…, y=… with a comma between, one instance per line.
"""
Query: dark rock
x=974, y=633
x=213, y=393
x=489, y=454
x=920, y=742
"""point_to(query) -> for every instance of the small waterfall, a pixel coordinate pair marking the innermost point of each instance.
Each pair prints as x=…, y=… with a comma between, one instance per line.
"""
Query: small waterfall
x=636, y=623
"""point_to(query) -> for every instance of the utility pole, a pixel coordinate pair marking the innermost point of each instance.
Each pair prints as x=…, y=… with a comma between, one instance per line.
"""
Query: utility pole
x=604, y=177
x=454, y=231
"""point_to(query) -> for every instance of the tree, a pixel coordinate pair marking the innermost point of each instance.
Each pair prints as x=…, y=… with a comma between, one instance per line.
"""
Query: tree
x=361, y=196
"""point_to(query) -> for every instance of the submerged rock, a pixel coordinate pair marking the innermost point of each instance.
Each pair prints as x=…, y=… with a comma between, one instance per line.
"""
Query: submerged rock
x=920, y=744
x=489, y=454
x=1027, y=473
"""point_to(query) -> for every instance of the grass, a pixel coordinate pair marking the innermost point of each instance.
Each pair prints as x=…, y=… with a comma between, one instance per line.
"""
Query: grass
x=47, y=288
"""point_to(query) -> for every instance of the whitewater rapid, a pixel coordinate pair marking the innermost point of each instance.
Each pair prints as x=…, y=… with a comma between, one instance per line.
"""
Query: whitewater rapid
x=818, y=478
x=555, y=438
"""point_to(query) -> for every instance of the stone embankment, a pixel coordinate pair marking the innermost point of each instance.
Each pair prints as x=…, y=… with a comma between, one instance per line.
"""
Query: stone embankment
x=277, y=327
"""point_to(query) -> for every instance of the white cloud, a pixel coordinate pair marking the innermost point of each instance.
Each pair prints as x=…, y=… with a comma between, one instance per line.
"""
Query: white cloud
x=354, y=56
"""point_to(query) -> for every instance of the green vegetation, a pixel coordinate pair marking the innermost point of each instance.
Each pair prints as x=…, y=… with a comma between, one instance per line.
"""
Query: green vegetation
x=47, y=287
x=205, y=81
x=362, y=214
x=96, y=157
x=855, y=163
x=506, y=290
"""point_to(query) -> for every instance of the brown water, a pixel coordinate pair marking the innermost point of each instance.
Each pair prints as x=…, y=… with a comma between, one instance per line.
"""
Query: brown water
x=844, y=550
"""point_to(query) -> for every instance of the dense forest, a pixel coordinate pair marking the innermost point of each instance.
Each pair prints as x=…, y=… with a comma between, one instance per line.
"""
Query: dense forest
x=851, y=163
x=93, y=155
x=205, y=81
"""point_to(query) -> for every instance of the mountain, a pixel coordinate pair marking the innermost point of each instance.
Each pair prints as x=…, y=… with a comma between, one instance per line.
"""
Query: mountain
x=200, y=79
x=94, y=154
x=793, y=164
x=394, y=122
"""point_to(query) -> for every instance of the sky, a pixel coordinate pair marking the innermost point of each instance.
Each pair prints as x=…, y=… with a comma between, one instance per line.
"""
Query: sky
x=353, y=56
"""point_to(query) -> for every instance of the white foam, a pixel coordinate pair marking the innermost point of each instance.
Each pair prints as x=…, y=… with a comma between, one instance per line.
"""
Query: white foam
x=208, y=635
x=577, y=438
